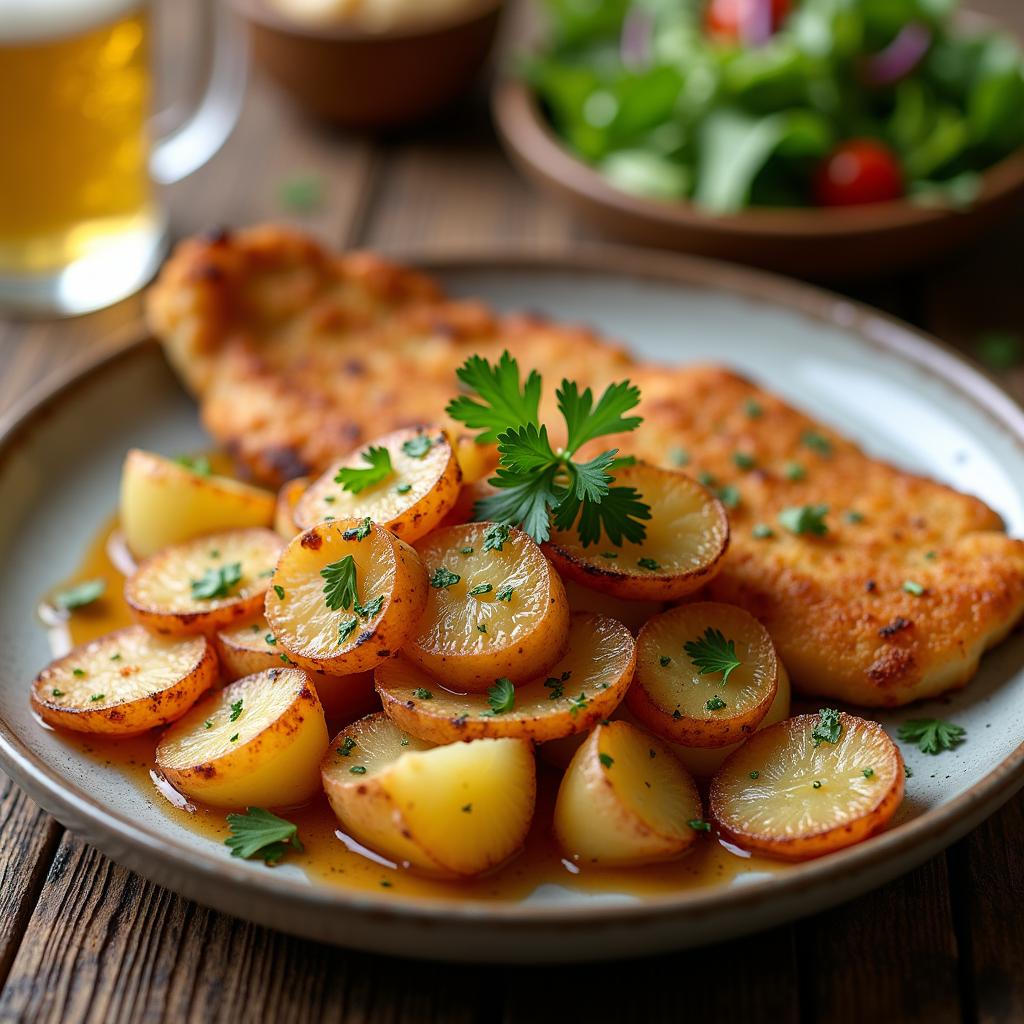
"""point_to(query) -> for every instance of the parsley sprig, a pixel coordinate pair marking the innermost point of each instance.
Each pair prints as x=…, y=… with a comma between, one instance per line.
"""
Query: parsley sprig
x=713, y=653
x=258, y=833
x=340, y=583
x=355, y=479
x=932, y=735
x=537, y=485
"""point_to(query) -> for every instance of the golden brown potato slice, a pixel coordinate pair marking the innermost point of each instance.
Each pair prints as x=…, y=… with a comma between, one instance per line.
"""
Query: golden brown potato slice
x=252, y=647
x=625, y=800
x=124, y=683
x=808, y=786
x=346, y=596
x=496, y=608
x=204, y=584
x=703, y=762
x=632, y=614
x=164, y=502
x=451, y=811
x=706, y=675
x=583, y=688
x=686, y=537
x=257, y=742
x=418, y=483
x=284, y=507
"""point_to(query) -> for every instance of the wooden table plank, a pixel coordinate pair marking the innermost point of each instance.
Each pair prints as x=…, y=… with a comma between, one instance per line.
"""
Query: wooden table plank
x=105, y=946
x=28, y=838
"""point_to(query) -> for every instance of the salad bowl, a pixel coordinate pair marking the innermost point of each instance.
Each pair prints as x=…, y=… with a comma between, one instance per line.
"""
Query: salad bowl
x=814, y=241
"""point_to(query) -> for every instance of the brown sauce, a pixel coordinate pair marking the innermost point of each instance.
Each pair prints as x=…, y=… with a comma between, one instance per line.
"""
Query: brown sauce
x=331, y=857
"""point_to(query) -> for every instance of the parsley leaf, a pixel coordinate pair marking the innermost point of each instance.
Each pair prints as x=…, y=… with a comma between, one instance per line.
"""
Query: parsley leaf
x=805, y=519
x=501, y=697
x=345, y=629
x=828, y=728
x=340, y=583
x=236, y=709
x=585, y=421
x=370, y=609
x=534, y=482
x=504, y=405
x=443, y=578
x=378, y=469
x=506, y=592
x=418, y=446
x=216, y=582
x=199, y=464
x=713, y=653
x=81, y=595
x=495, y=537
x=932, y=735
x=258, y=833
x=360, y=532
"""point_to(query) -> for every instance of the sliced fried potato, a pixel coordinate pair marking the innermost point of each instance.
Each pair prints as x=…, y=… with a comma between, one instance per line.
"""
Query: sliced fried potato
x=451, y=811
x=686, y=537
x=163, y=503
x=625, y=800
x=345, y=597
x=496, y=608
x=252, y=647
x=284, y=507
x=703, y=762
x=583, y=688
x=790, y=794
x=257, y=742
x=464, y=509
x=124, y=683
x=409, y=501
x=676, y=696
x=476, y=461
x=204, y=584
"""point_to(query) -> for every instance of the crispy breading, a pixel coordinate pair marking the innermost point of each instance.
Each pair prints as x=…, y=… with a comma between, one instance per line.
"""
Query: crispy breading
x=298, y=355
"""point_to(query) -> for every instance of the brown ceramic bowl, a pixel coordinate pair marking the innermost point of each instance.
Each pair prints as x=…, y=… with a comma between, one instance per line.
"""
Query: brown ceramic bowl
x=811, y=242
x=362, y=79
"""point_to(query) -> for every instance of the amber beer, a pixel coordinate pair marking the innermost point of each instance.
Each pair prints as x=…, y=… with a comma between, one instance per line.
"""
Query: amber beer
x=74, y=101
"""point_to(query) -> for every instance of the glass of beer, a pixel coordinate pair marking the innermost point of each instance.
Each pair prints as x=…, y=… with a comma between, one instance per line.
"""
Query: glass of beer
x=81, y=223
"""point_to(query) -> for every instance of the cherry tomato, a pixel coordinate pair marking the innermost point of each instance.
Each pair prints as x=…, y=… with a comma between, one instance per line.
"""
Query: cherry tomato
x=858, y=171
x=724, y=18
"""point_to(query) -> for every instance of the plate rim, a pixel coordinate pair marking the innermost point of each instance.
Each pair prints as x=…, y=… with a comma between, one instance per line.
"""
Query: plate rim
x=918, y=838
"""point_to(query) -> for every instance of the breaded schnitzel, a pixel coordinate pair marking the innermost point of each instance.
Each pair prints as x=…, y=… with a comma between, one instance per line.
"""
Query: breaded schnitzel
x=298, y=355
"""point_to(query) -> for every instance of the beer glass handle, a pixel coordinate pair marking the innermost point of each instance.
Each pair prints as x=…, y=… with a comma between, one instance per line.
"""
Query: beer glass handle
x=191, y=144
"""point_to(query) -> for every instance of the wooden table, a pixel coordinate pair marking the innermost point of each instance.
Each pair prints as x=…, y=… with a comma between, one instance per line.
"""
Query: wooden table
x=83, y=939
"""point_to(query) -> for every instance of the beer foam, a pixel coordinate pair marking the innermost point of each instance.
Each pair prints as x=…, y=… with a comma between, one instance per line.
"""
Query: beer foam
x=24, y=21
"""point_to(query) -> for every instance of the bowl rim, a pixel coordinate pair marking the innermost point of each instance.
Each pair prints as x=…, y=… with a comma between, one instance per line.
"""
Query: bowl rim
x=529, y=138
x=268, y=16
x=211, y=879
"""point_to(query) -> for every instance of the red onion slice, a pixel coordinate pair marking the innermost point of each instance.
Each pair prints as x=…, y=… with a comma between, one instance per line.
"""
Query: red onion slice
x=900, y=57
x=756, y=22
x=635, y=43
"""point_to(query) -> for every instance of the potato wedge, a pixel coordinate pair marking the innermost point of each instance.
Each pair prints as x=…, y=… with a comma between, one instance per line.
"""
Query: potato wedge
x=164, y=503
x=583, y=688
x=687, y=536
x=345, y=596
x=625, y=800
x=452, y=811
x=124, y=683
x=792, y=794
x=496, y=608
x=284, y=507
x=410, y=501
x=683, y=698
x=205, y=584
x=252, y=647
x=257, y=742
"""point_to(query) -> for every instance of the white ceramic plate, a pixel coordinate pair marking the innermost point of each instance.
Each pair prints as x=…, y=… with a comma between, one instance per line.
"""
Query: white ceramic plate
x=897, y=394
